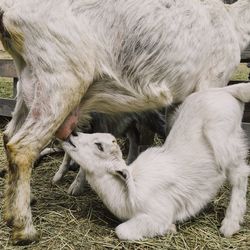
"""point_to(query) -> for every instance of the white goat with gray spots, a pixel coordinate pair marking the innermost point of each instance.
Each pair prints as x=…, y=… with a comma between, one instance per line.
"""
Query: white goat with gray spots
x=75, y=56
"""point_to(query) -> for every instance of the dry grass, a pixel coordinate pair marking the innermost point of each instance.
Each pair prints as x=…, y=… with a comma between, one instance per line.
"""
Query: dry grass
x=67, y=222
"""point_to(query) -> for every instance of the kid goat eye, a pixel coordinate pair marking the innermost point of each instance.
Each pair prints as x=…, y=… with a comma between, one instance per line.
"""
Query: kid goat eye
x=99, y=146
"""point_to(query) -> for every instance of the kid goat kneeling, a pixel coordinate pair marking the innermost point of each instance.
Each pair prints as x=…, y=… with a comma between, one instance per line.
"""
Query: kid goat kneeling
x=171, y=183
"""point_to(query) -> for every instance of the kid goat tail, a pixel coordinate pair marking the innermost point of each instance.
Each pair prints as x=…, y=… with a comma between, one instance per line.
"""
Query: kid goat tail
x=240, y=91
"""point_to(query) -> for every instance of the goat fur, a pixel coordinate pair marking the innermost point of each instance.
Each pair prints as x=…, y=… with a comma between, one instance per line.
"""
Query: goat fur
x=106, y=56
x=172, y=183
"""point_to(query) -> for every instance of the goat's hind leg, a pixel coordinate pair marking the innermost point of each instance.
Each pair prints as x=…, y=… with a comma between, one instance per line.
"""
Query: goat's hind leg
x=18, y=117
x=143, y=225
x=67, y=164
x=23, y=149
x=230, y=153
x=238, y=178
x=63, y=169
x=17, y=211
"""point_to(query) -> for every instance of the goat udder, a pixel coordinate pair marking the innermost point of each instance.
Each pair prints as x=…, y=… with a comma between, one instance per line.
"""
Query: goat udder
x=68, y=125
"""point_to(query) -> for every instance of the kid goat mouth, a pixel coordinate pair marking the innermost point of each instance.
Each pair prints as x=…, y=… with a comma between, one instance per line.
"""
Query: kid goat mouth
x=71, y=143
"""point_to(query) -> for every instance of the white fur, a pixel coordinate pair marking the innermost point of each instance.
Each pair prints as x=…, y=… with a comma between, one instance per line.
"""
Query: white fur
x=108, y=56
x=119, y=125
x=171, y=183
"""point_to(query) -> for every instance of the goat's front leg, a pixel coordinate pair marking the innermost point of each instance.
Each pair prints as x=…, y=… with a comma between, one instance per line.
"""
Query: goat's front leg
x=238, y=178
x=22, y=152
x=43, y=121
x=134, y=140
x=63, y=169
x=67, y=164
x=144, y=225
x=23, y=149
x=77, y=186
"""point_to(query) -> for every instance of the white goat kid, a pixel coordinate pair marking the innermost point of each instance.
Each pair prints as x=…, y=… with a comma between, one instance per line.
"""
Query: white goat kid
x=106, y=56
x=174, y=182
x=128, y=124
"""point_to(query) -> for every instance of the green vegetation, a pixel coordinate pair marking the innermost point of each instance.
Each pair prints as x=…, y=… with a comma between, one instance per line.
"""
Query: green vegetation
x=6, y=87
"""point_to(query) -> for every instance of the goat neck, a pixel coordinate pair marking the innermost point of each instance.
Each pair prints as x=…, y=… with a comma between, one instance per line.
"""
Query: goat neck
x=115, y=188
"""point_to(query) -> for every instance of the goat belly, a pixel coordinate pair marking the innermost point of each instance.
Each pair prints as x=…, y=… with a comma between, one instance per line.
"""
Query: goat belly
x=68, y=125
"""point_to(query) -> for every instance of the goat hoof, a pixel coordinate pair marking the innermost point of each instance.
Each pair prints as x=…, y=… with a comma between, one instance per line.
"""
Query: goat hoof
x=9, y=222
x=228, y=228
x=33, y=200
x=173, y=229
x=57, y=177
x=8, y=218
x=75, y=189
x=22, y=238
x=241, y=221
x=74, y=167
x=125, y=233
x=3, y=172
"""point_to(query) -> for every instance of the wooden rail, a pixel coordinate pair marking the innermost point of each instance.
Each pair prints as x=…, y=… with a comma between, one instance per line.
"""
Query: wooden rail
x=245, y=57
x=7, y=69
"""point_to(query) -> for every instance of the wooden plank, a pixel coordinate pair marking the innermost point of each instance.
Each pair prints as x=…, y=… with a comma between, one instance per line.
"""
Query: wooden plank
x=229, y=1
x=246, y=116
x=7, y=68
x=245, y=56
x=238, y=81
x=246, y=128
x=1, y=46
x=6, y=106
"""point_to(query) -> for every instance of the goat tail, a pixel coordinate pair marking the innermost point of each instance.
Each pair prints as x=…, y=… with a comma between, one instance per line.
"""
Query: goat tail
x=2, y=28
x=240, y=91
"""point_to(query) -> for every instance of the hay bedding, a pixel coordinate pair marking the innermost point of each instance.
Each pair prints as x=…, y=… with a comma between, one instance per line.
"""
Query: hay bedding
x=67, y=222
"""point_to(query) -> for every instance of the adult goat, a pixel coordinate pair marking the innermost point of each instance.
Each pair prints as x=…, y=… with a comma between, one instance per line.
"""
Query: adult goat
x=106, y=56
